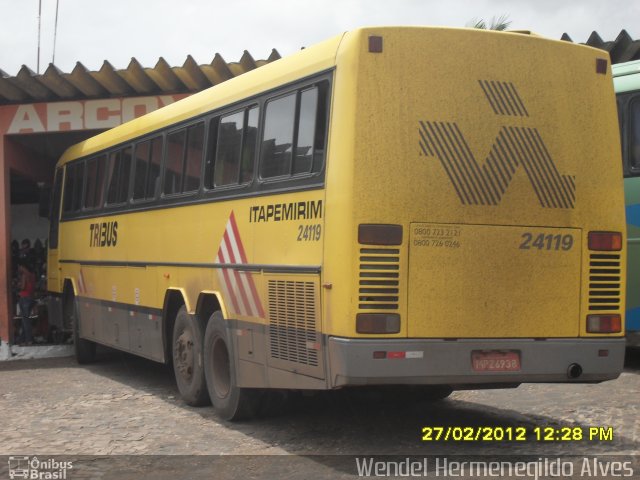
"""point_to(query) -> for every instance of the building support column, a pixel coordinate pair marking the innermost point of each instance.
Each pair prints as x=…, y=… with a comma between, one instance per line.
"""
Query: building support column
x=6, y=300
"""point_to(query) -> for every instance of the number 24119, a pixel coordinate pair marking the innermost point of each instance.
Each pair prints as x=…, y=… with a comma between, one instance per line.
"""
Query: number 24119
x=309, y=233
x=546, y=242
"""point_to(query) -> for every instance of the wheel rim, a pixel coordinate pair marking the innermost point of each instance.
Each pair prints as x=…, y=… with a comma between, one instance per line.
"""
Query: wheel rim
x=183, y=354
x=221, y=368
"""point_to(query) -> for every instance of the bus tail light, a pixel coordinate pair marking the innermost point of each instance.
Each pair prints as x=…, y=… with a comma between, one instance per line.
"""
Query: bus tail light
x=377, y=323
x=605, y=241
x=377, y=234
x=604, y=324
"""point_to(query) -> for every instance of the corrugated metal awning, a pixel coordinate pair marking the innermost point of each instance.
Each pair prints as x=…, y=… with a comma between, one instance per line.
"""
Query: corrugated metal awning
x=622, y=49
x=29, y=87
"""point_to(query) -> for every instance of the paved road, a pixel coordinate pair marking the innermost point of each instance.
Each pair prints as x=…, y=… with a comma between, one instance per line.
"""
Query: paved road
x=127, y=405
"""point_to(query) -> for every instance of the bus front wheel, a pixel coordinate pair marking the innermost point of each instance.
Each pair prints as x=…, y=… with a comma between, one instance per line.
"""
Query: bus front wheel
x=187, y=358
x=85, y=350
x=230, y=401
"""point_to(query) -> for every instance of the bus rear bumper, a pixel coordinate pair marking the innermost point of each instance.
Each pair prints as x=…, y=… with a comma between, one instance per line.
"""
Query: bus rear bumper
x=448, y=362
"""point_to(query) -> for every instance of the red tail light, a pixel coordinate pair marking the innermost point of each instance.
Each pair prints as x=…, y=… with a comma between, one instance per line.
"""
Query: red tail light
x=604, y=324
x=377, y=234
x=377, y=323
x=605, y=241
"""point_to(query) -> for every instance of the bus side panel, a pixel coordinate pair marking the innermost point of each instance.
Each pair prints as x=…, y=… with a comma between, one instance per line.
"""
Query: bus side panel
x=632, y=197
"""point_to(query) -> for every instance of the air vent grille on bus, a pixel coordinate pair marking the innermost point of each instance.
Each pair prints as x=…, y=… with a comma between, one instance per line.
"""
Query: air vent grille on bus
x=292, y=321
x=379, y=276
x=604, y=282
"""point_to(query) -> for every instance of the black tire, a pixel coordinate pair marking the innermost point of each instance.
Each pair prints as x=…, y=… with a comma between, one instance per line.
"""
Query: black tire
x=230, y=401
x=85, y=350
x=188, y=333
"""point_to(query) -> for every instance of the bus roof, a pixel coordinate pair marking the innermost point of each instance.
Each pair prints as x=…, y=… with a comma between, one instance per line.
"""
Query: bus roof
x=306, y=62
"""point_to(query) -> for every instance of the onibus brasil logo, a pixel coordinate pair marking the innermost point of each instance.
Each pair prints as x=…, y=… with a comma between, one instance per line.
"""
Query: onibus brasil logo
x=515, y=148
x=35, y=469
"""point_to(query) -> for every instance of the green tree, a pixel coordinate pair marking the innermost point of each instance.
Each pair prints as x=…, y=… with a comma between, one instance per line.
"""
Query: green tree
x=500, y=23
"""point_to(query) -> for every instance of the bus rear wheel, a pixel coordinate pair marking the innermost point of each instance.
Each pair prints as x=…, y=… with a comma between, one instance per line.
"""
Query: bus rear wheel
x=85, y=350
x=187, y=358
x=230, y=401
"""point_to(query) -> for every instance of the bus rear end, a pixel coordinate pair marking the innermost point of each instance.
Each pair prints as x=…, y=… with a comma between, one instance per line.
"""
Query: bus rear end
x=478, y=194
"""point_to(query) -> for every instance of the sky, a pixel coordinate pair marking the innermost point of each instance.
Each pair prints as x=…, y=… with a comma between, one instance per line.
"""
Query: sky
x=92, y=31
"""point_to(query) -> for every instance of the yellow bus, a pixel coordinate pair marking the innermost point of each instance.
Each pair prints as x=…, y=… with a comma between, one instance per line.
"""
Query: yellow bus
x=428, y=207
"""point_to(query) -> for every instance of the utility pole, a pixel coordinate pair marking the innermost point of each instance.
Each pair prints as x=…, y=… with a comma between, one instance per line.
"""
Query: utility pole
x=39, y=22
x=55, y=33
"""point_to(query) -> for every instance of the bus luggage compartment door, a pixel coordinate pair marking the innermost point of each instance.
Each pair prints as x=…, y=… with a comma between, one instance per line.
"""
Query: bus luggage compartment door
x=493, y=281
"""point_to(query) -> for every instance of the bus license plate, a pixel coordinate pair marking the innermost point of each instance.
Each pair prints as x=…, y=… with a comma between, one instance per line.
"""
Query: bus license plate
x=494, y=361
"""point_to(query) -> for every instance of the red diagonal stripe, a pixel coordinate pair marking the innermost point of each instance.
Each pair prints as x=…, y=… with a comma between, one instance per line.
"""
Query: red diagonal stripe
x=243, y=293
x=243, y=255
x=227, y=282
x=236, y=233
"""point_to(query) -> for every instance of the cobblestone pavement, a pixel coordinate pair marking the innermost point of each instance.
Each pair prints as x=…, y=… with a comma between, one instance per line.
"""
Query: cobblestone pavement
x=127, y=405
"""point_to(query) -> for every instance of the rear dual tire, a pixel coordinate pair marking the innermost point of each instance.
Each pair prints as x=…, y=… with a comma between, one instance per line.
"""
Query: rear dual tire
x=230, y=401
x=187, y=352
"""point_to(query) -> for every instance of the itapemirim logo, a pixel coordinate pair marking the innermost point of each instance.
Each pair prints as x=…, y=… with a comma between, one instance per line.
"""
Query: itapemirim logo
x=35, y=469
x=514, y=147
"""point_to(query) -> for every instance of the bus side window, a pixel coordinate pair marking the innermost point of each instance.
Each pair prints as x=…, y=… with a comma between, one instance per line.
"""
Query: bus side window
x=77, y=188
x=173, y=164
x=90, y=190
x=212, y=141
x=193, y=157
x=94, y=191
x=235, y=148
x=155, y=162
x=306, y=131
x=119, y=173
x=141, y=169
x=227, y=162
x=277, y=139
x=320, y=136
x=112, y=175
x=125, y=175
x=303, y=114
x=146, y=170
x=634, y=136
x=70, y=173
x=249, y=146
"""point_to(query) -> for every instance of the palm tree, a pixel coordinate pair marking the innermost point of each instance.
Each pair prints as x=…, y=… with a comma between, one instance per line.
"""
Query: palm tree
x=500, y=23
